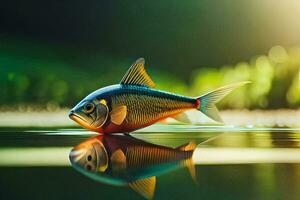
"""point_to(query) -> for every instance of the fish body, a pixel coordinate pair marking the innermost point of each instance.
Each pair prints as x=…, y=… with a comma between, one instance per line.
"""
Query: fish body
x=135, y=104
x=123, y=160
x=145, y=106
x=143, y=159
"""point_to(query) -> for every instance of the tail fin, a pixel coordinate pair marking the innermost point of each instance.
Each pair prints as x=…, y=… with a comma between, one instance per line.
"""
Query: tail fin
x=207, y=101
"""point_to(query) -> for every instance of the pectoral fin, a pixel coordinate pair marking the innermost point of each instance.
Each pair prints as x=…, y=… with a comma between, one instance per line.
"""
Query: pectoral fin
x=118, y=160
x=118, y=114
x=144, y=187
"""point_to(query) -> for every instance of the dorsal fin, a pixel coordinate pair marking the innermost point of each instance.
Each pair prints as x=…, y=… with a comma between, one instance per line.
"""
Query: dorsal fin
x=137, y=75
x=144, y=187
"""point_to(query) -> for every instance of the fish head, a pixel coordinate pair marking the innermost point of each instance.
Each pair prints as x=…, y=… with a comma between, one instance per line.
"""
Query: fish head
x=90, y=155
x=90, y=113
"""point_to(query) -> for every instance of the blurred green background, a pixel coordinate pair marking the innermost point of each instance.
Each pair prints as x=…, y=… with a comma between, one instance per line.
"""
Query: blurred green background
x=54, y=53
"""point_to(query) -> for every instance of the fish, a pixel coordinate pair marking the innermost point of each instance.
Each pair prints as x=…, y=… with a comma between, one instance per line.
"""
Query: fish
x=134, y=103
x=122, y=160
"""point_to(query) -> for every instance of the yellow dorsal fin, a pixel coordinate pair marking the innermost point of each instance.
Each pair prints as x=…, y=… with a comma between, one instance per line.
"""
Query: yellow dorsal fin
x=191, y=146
x=144, y=187
x=118, y=114
x=137, y=75
x=118, y=160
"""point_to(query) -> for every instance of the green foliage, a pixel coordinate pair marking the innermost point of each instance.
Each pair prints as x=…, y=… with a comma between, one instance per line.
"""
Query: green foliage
x=52, y=76
x=275, y=80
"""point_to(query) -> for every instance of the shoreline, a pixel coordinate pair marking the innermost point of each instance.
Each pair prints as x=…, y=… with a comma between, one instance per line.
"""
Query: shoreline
x=243, y=118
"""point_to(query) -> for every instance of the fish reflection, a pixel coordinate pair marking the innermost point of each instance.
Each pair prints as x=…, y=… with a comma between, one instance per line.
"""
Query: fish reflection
x=124, y=160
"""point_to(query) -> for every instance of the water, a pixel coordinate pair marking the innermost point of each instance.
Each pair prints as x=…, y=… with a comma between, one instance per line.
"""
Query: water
x=231, y=163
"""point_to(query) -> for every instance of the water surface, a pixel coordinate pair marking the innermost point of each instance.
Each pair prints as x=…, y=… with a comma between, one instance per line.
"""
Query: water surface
x=231, y=163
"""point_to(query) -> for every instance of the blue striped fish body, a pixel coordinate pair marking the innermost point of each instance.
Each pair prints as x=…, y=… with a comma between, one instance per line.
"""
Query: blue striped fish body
x=145, y=105
x=134, y=104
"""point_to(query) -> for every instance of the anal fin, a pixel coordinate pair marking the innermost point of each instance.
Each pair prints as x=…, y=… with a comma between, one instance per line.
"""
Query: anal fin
x=164, y=121
x=182, y=117
x=191, y=167
x=191, y=146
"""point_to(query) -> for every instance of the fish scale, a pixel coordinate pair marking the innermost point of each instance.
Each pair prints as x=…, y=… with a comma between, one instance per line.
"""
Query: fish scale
x=141, y=156
x=148, y=108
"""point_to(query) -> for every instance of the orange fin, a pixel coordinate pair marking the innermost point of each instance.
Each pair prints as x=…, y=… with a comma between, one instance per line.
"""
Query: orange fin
x=164, y=121
x=118, y=114
x=144, y=187
x=183, y=117
x=137, y=75
x=118, y=160
x=191, y=146
x=191, y=167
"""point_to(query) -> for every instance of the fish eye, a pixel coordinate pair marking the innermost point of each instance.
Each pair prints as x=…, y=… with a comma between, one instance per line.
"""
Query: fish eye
x=89, y=107
x=89, y=158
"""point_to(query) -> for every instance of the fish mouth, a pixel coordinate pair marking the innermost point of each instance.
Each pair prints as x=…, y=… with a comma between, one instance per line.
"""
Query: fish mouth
x=80, y=120
x=76, y=154
x=75, y=117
